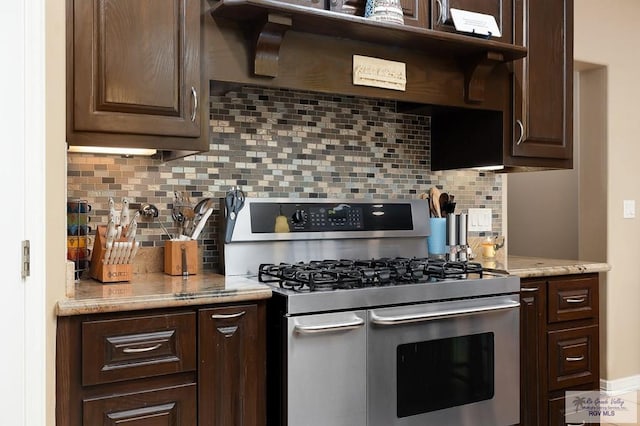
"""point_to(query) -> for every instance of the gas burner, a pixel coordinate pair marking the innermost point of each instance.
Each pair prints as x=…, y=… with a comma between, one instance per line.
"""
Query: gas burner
x=327, y=275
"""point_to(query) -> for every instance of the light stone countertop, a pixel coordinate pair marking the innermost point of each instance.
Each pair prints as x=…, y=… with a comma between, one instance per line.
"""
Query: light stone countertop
x=158, y=290
x=529, y=267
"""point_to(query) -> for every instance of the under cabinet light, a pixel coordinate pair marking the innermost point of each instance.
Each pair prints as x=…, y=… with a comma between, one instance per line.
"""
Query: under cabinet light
x=111, y=150
x=488, y=168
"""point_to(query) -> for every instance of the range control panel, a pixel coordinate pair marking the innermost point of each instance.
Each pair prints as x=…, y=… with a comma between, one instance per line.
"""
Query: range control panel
x=328, y=217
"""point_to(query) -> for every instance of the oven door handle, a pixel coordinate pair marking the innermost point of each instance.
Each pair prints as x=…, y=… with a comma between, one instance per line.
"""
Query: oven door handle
x=325, y=328
x=428, y=316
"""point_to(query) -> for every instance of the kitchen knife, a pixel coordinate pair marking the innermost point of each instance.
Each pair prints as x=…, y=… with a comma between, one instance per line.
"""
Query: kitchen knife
x=134, y=251
x=110, y=237
x=133, y=227
x=124, y=213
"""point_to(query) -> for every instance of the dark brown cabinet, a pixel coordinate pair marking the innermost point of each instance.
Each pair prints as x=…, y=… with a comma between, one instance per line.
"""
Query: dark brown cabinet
x=134, y=74
x=231, y=355
x=559, y=344
x=543, y=84
x=181, y=367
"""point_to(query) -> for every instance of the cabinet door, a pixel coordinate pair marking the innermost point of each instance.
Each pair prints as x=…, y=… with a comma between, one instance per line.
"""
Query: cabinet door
x=532, y=353
x=543, y=80
x=136, y=66
x=415, y=12
x=173, y=406
x=232, y=367
x=501, y=10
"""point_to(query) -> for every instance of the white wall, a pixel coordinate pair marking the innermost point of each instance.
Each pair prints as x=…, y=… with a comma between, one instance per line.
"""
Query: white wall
x=606, y=34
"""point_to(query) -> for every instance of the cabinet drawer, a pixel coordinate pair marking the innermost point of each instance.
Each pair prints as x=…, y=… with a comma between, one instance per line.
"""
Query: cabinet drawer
x=573, y=357
x=559, y=417
x=131, y=348
x=573, y=299
x=172, y=406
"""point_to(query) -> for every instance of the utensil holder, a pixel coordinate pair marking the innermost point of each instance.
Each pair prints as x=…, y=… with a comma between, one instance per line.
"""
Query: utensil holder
x=107, y=273
x=181, y=257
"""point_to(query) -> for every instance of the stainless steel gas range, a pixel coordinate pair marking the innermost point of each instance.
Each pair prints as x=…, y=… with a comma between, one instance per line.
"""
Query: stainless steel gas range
x=364, y=328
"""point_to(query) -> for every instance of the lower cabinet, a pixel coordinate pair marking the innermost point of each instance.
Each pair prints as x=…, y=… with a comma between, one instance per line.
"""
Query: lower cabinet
x=229, y=363
x=199, y=366
x=559, y=341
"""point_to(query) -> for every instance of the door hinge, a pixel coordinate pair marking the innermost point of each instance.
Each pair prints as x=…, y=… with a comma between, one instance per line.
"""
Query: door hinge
x=26, y=258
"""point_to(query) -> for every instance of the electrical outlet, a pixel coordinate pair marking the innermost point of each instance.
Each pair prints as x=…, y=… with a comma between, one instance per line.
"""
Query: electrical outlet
x=479, y=220
x=628, y=209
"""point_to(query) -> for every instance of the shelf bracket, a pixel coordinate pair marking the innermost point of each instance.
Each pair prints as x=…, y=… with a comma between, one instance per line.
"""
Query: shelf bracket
x=268, y=42
x=476, y=74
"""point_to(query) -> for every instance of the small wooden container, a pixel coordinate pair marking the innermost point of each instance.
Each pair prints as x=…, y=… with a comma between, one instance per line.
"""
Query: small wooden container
x=107, y=273
x=180, y=257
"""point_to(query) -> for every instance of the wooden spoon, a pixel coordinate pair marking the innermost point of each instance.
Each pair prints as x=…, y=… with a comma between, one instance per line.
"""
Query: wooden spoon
x=434, y=199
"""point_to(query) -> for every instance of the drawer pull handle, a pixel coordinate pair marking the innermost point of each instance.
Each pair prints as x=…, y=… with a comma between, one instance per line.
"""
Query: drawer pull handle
x=574, y=358
x=529, y=289
x=575, y=299
x=140, y=350
x=576, y=424
x=227, y=316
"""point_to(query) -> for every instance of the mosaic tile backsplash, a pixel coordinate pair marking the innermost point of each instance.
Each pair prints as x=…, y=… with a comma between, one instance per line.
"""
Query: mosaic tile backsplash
x=282, y=143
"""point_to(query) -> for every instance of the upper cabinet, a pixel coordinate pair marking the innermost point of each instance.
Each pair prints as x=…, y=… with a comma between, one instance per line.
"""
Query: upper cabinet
x=543, y=84
x=134, y=74
x=534, y=130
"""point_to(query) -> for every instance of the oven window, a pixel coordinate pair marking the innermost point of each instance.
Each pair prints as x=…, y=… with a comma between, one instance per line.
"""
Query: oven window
x=438, y=374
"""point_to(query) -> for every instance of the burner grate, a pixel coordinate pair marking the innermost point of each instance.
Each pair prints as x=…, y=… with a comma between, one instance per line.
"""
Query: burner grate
x=327, y=275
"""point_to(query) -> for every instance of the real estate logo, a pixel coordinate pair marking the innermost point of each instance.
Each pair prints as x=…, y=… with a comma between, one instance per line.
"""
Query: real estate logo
x=600, y=407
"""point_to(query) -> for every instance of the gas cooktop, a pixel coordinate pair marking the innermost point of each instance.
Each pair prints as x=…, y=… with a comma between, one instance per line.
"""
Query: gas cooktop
x=327, y=275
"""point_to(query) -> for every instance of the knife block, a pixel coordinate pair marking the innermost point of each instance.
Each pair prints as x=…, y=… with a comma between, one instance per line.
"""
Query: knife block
x=107, y=273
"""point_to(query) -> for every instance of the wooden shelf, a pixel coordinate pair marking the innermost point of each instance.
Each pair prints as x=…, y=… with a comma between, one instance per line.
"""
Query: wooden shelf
x=272, y=19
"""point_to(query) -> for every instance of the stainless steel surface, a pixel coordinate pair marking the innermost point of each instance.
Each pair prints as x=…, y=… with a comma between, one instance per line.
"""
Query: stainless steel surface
x=335, y=352
x=502, y=409
x=244, y=259
x=322, y=301
x=243, y=233
x=422, y=316
x=327, y=371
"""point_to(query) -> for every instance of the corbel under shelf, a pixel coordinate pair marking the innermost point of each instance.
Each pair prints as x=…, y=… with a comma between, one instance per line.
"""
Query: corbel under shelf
x=272, y=19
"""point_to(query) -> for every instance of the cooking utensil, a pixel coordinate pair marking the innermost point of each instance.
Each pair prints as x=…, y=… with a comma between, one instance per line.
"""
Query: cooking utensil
x=201, y=223
x=443, y=200
x=149, y=210
x=282, y=223
x=234, y=201
x=434, y=199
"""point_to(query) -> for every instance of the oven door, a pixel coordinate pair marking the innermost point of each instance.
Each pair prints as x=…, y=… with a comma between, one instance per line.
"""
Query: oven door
x=445, y=363
x=326, y=370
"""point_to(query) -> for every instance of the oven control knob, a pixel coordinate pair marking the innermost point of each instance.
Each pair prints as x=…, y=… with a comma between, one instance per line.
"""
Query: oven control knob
x=299, y=217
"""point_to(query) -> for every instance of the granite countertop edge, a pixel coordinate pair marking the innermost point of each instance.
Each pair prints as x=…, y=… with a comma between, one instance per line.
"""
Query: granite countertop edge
x=157, y=290
x=531, y=267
